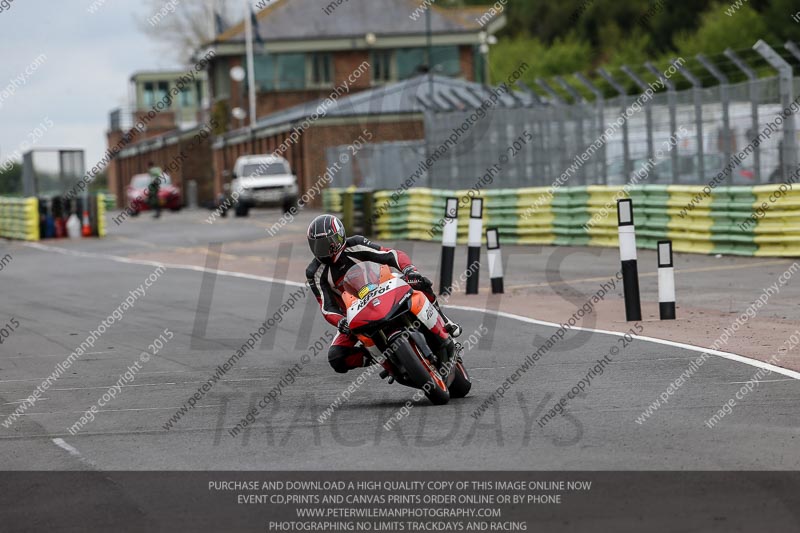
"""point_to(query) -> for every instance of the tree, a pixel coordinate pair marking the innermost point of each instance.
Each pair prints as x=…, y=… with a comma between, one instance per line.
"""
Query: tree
x=718, y=31
x=185, y=26
x=564, y=56
x=11, y=179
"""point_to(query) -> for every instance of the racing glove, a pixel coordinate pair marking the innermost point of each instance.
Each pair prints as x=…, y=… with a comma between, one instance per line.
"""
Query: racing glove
x=343, y=327
x=413, y=277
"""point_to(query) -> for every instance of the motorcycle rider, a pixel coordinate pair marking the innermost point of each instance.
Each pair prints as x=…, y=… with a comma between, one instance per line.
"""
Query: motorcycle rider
x=334, y=254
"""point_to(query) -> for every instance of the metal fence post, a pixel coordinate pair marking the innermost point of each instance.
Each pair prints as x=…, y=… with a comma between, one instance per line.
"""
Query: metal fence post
x=579, y=108
x=648, y=112
x=560, y=109
x=753, y=86
x=539, y=150
x=599, y=103
x=672, y=101
x=697, y=94
x=626, y=148
x=726, y=102
x=786, y=84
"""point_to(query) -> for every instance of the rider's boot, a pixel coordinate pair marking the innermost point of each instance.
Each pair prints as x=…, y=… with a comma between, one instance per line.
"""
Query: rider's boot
x=452, y=328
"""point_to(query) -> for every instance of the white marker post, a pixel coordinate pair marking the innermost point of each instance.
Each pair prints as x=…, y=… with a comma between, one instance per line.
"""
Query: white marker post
x=666, y=281
x=474, y=244
x=449, y=239
x=495, y=258
x=627, y=255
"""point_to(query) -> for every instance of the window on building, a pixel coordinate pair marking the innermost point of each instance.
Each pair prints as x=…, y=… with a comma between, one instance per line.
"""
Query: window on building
x=162, y=88
x=221, y=78
x=264, y=67
x=409, y=61
x=292, y=71
x=149, y=95
x=187, y=97
x=479, y=62
x=446, y=60
x=381, y=66
x=320, y=69
x=280, y=71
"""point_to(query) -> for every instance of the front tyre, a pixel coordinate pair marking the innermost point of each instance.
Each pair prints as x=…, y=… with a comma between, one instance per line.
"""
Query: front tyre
x=421, y=372
x=461, y=384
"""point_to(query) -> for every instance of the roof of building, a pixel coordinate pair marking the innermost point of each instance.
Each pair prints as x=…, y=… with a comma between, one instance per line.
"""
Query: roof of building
x=403, y=97
x=286, y=20
x=166, y=74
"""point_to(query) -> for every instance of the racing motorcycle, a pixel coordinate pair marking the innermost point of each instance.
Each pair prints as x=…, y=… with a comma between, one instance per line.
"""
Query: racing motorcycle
x=393, y=322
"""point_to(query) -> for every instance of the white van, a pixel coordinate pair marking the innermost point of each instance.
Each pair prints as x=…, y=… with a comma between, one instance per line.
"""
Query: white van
x=263, y=180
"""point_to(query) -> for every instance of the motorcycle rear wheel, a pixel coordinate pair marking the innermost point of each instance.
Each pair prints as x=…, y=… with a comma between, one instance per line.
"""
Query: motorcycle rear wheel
x=422, y=373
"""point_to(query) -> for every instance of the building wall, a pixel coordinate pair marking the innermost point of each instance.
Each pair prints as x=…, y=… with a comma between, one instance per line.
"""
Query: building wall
x=308, y=156
x=467, y=59
x=319, y=138
x=345, y=63
x=183, y=161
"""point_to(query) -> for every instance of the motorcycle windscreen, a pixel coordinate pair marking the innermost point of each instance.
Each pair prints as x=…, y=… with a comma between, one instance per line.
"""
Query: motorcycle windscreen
x=362, y=278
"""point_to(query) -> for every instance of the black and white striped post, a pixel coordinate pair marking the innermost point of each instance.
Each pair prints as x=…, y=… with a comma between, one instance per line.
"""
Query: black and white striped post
x=666, y=281
x=449, y=239
x=495, y=258
x=474, y=238
x=627, y=255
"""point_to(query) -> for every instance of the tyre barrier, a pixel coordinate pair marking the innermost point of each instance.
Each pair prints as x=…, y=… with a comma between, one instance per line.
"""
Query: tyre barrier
x=762, y=220
x=32, y=219
x=19, y=218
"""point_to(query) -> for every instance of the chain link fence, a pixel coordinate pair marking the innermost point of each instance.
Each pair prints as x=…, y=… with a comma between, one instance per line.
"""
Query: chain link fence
x=710, y=124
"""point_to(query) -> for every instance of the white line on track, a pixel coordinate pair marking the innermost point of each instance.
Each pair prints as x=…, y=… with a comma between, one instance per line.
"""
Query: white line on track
x=61, y=443
x=48, y=413
x=22, y=401
x=725, y=355
x=55, y=355
x=690, y=347
x=106, y=387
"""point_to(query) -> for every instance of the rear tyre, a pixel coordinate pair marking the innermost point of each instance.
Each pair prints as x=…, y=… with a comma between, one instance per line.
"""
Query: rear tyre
x=422, y=373
x=461, y=384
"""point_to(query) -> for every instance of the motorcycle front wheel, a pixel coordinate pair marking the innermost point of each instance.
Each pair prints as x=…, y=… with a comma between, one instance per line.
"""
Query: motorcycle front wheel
x=421, y=372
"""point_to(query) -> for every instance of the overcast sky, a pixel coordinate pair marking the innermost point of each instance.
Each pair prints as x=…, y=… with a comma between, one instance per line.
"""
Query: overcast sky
x=84, y=75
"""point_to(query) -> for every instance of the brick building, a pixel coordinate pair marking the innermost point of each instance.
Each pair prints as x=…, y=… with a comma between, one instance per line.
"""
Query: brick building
x=305, y=52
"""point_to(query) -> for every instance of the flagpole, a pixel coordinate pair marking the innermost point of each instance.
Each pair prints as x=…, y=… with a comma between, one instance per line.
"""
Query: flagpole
x=251, y=79
x=212, y=26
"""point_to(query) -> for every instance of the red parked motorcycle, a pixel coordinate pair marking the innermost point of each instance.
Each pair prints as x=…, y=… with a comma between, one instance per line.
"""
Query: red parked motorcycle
x=393, y=322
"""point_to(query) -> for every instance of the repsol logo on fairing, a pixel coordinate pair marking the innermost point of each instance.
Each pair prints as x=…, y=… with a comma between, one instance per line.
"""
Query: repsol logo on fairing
x=374, y=292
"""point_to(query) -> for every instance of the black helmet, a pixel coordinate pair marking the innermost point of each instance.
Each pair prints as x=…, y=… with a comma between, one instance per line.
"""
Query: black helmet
x=326, y=237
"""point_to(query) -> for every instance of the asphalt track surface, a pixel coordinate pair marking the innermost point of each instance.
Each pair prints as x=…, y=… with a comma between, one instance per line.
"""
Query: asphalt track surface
x=59, y=297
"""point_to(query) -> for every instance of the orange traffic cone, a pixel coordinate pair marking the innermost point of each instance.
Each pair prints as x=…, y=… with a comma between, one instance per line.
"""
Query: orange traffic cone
x=86, y=231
